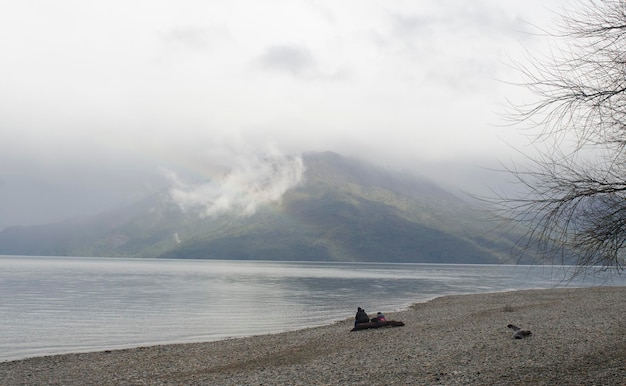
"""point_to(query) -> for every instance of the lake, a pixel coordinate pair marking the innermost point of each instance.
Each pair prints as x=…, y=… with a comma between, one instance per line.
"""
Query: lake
x=53, y=305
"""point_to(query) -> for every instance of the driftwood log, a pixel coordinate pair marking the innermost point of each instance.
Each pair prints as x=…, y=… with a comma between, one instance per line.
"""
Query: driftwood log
x=388, y=323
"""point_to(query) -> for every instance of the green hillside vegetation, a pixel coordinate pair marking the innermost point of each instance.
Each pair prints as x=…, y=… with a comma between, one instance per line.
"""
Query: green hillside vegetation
x=345, y=210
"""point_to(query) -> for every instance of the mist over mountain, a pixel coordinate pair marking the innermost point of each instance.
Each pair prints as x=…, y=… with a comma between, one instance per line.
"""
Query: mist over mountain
x=321, y=207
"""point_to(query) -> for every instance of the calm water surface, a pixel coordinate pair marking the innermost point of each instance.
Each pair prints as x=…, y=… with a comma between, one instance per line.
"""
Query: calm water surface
x=51, y=305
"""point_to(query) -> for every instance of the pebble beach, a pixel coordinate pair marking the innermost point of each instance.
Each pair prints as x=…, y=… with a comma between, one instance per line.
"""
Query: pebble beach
x=578, y=337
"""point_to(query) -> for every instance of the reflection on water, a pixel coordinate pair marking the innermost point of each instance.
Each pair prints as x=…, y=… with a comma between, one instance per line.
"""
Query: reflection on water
x=56, y=305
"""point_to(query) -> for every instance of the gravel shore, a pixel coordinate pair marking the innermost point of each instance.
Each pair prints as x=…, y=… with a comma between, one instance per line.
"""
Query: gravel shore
x=578, y=337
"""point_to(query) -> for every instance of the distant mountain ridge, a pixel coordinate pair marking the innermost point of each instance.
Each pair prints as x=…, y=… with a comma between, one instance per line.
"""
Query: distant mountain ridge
x=345, y=210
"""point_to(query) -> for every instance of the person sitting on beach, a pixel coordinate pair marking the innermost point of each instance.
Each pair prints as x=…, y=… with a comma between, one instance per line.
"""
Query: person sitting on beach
x=361, y=317
x=380, y=317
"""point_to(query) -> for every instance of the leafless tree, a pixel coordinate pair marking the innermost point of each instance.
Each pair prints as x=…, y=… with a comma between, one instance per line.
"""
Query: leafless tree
x=575, y=188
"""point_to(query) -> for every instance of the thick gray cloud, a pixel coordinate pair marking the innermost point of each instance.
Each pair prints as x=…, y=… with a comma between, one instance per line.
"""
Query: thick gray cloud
x=99, y=101
x=292, y=59
x=194, y=38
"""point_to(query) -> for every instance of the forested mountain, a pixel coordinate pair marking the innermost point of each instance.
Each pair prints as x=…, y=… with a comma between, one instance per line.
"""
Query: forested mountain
x=344, y=210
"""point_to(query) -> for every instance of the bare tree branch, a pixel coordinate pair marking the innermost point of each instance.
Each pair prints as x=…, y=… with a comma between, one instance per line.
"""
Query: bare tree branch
x=575, y=200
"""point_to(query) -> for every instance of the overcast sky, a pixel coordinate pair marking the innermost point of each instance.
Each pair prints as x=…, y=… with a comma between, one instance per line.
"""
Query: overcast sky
x=104, y=101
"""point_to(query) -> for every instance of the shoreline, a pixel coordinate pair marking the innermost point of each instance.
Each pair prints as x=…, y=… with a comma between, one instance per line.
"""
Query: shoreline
x=452, y=339
x=120, y=347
